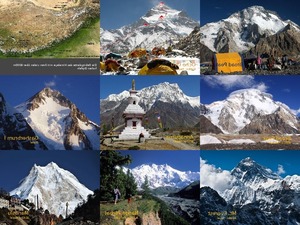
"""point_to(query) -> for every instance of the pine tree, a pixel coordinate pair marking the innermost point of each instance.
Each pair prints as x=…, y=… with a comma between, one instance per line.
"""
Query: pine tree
x=130, y=186
x=111, y=174
x=145, y=187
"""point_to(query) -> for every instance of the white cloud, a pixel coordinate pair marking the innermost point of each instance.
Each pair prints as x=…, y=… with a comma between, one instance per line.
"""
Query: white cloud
x=50, y=84
x=215, y=178
x=286, y=90
x=261, y=86
x=280, y=170
x=230, y=82
x=296, y=111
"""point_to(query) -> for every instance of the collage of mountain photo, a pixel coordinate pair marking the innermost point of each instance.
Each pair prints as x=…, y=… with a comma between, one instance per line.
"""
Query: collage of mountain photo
x=154, y=187
x=150, y=37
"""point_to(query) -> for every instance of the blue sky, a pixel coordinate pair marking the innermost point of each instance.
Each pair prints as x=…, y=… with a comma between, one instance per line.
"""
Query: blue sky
x=215, y=10
x=190, y=85
x=16, y=165
x=180, y=160
x=283, y=88
x=227, y=160
x=116, y=13
x=83, y=91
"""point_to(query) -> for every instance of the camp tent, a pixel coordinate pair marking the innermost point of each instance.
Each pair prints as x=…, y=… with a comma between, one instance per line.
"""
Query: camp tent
x=113, y=56
x=228, y=62
x=158, y=51
x=137, y=53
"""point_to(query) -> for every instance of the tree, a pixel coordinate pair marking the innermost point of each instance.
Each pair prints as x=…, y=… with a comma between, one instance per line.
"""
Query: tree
x=111, y=174
x=146, y=188
x=130, y=185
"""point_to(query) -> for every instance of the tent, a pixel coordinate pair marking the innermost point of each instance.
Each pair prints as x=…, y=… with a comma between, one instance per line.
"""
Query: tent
x=113, y=56
x=159, y=67
x=158, y=51
x=228, y=62
x=137, y=53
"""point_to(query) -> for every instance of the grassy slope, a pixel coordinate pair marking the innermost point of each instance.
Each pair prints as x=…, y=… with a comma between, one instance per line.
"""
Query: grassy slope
x=142, y=206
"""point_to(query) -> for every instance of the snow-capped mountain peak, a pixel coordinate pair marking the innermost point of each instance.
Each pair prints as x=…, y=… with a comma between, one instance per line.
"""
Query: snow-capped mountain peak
x=58, y=122
x=242, y=30
x=164, y=92
x=54, y=187
x=241, y=107
x=163, y=176
x=251, y=173
x=157, y=27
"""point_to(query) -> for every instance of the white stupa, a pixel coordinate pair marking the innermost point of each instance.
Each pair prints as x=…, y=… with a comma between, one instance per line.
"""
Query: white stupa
x=133, y=116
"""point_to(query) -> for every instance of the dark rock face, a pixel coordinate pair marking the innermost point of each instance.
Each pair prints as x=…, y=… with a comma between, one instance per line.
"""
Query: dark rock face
x=190, y=192
x=269, y=124
x=206, y=126
x=172, y=115
x=206, y=53
x=191, y=44
x=285, y=42
x=15, y=132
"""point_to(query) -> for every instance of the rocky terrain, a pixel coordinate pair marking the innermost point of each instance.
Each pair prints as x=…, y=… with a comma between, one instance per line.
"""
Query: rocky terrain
x=191, y=44
x=206, y=126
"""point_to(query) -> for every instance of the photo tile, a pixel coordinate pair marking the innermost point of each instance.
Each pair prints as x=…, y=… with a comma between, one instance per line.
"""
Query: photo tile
x=160, y=38
x=49, y=113
x=234, y=184
x=61, y=36
x=157, y=187
x=249, y=112
x=49, y=187
x=250, y=38
x=149, y=113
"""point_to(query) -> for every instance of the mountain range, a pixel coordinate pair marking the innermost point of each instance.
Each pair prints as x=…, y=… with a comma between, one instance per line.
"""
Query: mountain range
x=163, y=176
x=54, y=186
x=256, y=194
x=175, y=108
x=249, y=111
x=156, y=28
x=253, y=29
x=54, y=120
